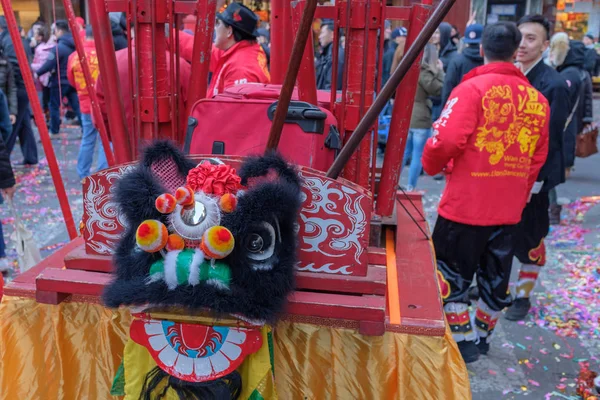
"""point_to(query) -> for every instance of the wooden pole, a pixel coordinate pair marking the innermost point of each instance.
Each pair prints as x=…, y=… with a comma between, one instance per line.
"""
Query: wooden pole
x=292, y=73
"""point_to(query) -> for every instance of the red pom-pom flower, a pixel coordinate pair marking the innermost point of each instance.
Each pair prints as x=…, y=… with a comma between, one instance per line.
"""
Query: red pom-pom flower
x=214, y=179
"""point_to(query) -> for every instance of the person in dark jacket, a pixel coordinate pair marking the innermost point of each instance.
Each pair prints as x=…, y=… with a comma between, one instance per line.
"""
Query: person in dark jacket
x=447, y=51
x=447, y=47
x=324, y=61
x=591, y=57
x=22, y=127
x=7, y=178
x=568, y=57
x=118, y=26
x=535, y=224
x=397, y=39
x=9, y=86
x=464, y=62
x=59, y=83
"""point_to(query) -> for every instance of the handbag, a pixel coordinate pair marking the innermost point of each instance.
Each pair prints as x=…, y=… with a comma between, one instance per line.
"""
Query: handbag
x=28, y=252
x=587, y=141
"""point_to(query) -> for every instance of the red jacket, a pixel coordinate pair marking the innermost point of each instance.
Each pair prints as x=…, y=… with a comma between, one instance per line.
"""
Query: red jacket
x=186, y=48
x=75, y=74
x=127, y=91
x=492, y=140
x=244, y=62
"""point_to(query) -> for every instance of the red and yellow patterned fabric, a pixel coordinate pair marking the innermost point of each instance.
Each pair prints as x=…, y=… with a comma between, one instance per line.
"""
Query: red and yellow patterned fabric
x=492, y=140
x=73, y=351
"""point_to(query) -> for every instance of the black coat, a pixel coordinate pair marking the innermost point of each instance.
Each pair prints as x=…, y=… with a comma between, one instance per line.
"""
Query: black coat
x=555, y=90
x=323, y=68
x=8, y=84
x=580, y=92
x=590, y=59
x=7, y=178
x=447, y=52
x=448, y=49
x=65, y=46
x=388, y=59
x=459, y=66
x=8, y=50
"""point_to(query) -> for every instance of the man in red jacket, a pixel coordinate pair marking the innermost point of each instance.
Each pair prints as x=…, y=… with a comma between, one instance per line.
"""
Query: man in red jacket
x=492, y=140
x=242, y=59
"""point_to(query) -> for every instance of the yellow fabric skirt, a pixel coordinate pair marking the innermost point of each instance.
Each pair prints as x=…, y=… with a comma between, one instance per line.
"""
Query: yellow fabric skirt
x=73, y=350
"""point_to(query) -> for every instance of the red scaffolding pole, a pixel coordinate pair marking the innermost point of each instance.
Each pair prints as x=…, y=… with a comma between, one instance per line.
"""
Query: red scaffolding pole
x=39, y=118
x=400, y=123
x=110, y=81
x=201, y=53
x=90, y=84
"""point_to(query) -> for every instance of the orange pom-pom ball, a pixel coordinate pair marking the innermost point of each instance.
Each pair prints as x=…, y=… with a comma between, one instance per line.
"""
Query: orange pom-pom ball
x=166, y=203
x=151, y=235
x=217, y=242
x=228, y=202
x=175, y=242
x=185, y=196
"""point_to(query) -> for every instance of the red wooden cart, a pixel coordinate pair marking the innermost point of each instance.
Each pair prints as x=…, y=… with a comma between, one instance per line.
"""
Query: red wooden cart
x=366, y=294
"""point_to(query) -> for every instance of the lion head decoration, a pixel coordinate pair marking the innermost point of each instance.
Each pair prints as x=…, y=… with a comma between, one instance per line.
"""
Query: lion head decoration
x=203, y=237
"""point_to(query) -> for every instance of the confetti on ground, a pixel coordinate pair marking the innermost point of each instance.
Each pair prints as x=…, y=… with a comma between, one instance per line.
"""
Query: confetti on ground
x=36, y=200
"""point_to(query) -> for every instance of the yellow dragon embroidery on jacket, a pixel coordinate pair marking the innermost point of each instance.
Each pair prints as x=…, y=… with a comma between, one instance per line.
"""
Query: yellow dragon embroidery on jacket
x=507, y=122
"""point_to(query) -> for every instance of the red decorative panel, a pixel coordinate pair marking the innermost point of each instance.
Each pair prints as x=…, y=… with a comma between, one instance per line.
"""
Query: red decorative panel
x=333, y=225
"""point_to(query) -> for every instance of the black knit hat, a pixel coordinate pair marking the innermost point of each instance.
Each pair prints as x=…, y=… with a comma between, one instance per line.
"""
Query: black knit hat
x=240, y=17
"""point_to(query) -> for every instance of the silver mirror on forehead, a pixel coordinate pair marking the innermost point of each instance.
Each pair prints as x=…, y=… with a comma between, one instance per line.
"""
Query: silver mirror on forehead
x=195, y=215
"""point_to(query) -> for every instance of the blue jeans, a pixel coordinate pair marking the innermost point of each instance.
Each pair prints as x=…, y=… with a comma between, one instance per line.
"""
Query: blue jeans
x=86, y=151
x=415, y=143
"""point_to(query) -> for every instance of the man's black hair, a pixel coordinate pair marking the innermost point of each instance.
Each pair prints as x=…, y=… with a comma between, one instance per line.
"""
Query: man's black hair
x=62, y=25
x=537, y=19
x=500, y=41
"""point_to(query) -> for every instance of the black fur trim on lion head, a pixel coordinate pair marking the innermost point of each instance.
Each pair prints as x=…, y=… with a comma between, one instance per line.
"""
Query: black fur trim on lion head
x=266, y=213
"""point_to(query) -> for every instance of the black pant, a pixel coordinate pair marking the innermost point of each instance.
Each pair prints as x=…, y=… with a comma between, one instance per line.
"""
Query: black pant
x=463, y=250
x=55, y=92
x=531, y=231
x=22, y=130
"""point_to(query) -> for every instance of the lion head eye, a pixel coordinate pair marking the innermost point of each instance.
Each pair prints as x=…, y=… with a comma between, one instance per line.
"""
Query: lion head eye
x=260, y=242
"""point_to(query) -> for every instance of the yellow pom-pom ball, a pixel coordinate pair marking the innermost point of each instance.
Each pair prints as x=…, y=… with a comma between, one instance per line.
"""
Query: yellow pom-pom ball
x=184, y=196
x=175, y=242
x=165, y=203
x=217, y=242
x=151, y=235
x=228, y=202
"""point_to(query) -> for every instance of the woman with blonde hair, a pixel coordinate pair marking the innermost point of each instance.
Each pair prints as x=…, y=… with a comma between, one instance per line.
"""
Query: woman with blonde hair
x=431, y=80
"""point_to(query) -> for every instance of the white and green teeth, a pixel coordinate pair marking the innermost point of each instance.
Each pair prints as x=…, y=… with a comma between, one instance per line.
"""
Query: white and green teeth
x=188, y=267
